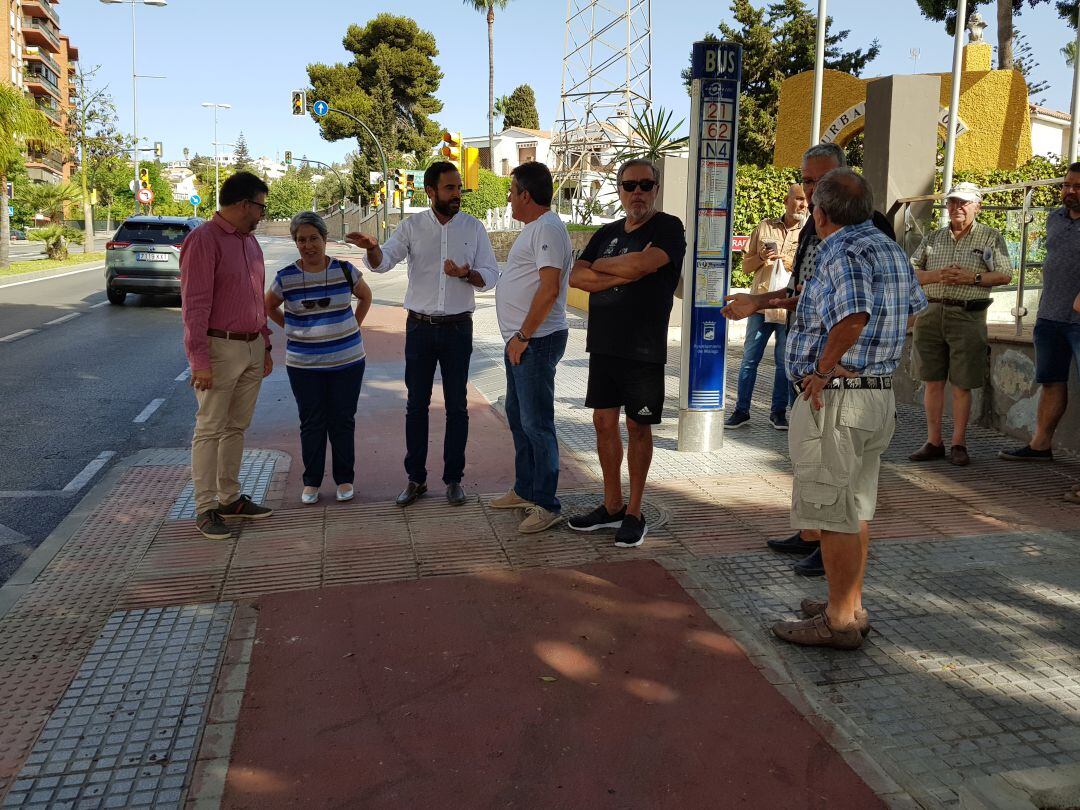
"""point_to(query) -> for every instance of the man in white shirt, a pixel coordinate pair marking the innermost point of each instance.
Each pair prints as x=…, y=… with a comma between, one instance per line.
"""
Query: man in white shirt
x=449, y=258
x=531, y=305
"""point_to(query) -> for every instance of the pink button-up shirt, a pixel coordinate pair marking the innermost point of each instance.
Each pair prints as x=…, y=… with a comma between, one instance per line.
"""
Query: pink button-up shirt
x=222, y=277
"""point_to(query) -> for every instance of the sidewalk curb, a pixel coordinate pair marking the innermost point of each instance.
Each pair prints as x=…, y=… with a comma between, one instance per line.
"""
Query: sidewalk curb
x=39, y=560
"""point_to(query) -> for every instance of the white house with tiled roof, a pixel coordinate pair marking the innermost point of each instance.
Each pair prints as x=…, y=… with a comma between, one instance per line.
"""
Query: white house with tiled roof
x=513, y=146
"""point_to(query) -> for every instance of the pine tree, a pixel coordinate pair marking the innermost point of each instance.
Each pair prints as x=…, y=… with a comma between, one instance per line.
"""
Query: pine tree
x=519, y=109
x=243, y=156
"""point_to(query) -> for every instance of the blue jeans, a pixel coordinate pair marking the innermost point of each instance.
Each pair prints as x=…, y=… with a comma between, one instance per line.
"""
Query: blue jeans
x=530, y=410
x=758, y=332
x=448, y=346
x=326, y=401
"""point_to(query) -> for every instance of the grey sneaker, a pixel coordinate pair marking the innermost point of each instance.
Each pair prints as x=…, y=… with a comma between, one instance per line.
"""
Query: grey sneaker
x=537, y=518
x=211, y=526
x=244, y=507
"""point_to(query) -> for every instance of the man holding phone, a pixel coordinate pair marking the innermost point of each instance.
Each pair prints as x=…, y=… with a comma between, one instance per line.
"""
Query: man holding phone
x=770, y=256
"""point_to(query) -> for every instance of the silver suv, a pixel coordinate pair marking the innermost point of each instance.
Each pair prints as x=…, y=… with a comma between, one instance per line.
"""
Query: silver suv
x=144, y=256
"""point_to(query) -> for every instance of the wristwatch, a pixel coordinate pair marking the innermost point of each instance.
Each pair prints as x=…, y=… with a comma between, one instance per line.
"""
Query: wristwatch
x=520, y=336
x=978, y=280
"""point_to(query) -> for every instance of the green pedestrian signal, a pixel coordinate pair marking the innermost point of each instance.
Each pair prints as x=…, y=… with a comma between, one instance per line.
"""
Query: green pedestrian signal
x=288, y=157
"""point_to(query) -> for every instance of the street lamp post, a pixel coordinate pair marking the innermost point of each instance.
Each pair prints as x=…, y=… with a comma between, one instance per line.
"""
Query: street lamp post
x=135, y=93
x=217, y=167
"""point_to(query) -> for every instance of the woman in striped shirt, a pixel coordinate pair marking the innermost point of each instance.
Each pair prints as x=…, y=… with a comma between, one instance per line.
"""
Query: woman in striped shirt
x=324, y=351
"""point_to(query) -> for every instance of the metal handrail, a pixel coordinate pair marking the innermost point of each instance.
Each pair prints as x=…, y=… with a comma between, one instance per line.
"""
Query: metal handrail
x=1019, y=310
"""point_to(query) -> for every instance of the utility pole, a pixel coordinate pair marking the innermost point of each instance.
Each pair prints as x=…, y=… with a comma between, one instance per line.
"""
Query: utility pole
x=217, y=166
x=89, y=245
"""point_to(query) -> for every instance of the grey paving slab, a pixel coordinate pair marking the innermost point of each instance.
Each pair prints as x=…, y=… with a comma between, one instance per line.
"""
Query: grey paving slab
x=256, y=472
x=973, y=667
x=125, y=732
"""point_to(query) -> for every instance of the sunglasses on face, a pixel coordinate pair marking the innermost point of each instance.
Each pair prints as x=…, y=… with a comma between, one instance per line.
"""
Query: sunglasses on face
x=632, y=185
x=321, y=303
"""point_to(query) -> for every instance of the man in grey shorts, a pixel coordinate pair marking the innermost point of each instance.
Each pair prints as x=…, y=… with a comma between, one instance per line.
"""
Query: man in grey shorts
x=844, y=344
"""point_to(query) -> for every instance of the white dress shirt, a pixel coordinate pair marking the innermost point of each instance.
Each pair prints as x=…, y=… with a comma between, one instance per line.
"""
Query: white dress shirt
x=427, y=243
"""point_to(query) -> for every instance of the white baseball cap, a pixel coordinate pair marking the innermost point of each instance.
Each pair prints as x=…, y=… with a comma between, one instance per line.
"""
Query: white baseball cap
x=969, y=192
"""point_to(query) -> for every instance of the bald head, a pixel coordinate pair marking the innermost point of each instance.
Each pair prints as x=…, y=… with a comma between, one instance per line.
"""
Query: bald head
x=842, y=197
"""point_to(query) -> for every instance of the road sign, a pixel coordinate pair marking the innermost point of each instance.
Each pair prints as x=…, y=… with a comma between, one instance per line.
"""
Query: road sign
x=710, y=196
x=131, y=186
x=195, y=199
x=11, y=210
x=146, y=196
x=320, y=107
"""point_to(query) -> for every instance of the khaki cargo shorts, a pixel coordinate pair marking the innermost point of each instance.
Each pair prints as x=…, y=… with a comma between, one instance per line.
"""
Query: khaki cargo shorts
x=836, y=453
x=950, y=343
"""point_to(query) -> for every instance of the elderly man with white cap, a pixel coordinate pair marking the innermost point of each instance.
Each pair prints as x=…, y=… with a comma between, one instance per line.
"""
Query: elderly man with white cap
x=956, y=265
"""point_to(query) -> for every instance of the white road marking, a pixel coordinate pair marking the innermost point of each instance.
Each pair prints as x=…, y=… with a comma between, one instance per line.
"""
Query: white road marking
x=17, y=335
x=104, y=303
x=148, y=411
x=63, y=318
x=89, y=471
x=50, y=278
x=183, y=375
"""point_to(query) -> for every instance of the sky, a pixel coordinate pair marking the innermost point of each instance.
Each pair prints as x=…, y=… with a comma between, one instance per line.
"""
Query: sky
x=252, y=53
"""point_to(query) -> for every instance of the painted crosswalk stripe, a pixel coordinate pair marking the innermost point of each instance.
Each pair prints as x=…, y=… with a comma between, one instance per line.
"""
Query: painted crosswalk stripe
x=17, y=335
x=100, y=304
x=89, y=471
x=148, y=411
x=63, y=318
x=183, y=375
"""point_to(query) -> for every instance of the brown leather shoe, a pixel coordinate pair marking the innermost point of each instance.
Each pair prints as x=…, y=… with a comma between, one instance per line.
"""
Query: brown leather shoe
x=812, y=607
x=928, y=452
x=958, y=456
x=1073, y=496
x=816, y=632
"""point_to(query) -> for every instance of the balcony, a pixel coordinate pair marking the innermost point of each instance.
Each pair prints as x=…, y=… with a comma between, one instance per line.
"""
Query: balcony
x=41, y=8
x=37, y=55
x=52, y=111
x=51, y=160
x=38, y=32
x=39, y=81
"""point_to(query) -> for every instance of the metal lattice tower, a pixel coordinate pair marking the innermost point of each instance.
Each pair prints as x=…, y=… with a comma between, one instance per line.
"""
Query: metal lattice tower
x=606, y=81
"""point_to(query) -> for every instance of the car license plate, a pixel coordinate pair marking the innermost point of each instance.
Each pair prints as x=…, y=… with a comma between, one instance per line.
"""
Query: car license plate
x=152, y=257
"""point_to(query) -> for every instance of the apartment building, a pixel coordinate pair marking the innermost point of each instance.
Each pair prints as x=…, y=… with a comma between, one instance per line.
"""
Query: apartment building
x=42, y=62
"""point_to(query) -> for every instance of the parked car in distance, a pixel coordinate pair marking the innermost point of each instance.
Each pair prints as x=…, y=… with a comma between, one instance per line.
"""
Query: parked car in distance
x=144, y=256
x=17, y=234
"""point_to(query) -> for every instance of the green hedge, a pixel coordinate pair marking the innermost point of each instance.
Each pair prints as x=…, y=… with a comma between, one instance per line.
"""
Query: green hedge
x=759, y=194
x=491, y=194
x=1038, y=168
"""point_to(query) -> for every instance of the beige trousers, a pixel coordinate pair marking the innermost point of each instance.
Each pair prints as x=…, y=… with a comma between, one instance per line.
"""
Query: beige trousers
x=224, y=414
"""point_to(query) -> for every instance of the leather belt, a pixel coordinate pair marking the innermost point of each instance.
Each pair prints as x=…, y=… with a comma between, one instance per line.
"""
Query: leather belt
x=855, y=384
x=970, y=304
x=245, y=336
x=437, y=319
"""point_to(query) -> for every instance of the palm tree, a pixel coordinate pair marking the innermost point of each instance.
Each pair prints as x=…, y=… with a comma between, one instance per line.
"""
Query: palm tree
x=49, y=199
x=488, y=7
x=20, y=122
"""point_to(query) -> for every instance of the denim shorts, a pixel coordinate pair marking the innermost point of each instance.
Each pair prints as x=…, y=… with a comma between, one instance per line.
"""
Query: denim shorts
x=1057, y=347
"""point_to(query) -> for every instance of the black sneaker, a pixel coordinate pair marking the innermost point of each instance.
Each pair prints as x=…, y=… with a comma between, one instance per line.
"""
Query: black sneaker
x=598, y=518
x=812, y=566
x=779, y=420
x=211, y=526
x=737, y=419
x=244, y=507
x=793, y=545
x=1025, y=453
x=631, y=533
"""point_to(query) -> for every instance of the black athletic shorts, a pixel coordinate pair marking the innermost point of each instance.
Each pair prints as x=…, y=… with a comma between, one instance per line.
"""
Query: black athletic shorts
x=615, y=382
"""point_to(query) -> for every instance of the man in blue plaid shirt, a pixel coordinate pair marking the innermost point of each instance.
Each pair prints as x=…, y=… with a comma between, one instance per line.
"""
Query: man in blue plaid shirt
x=845, y=342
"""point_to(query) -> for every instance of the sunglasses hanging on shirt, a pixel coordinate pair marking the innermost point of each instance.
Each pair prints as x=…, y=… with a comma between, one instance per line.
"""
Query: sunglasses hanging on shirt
x=311, y=303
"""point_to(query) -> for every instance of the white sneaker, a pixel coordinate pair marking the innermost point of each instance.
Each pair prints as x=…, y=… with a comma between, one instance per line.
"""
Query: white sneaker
x=310, y=495
x=345, y=492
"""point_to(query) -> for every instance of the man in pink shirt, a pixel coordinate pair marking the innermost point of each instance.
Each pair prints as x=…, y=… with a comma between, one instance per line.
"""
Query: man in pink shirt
x=227, y=343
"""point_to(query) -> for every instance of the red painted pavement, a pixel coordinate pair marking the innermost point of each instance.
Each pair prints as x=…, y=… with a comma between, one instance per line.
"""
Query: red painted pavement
x=605, y=687
x=380, y=426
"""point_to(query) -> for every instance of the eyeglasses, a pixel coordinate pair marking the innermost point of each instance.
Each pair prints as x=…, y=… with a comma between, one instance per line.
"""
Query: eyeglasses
x=632, y=185
x=262, y=206
x=953, y=202
x=321, y=303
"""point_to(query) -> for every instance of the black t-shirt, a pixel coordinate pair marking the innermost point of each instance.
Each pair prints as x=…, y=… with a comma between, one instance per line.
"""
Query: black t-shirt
x=631, y=320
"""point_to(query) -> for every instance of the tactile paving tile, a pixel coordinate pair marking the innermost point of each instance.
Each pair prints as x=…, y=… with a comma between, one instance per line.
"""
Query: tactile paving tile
x=126, y=732
x=256, y=470
x=973, y=667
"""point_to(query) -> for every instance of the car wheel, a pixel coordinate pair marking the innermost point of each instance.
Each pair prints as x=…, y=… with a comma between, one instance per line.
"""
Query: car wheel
x=115, y=296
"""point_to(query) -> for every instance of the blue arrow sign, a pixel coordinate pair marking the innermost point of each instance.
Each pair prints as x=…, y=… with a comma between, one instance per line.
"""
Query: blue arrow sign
x=195, y=199
x=320, y=107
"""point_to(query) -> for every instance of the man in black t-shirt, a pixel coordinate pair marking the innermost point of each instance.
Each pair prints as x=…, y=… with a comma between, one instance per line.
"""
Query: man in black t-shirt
x=630, y=270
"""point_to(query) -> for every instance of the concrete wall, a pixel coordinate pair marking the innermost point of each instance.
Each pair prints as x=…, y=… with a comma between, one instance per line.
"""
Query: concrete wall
x=1009, y=401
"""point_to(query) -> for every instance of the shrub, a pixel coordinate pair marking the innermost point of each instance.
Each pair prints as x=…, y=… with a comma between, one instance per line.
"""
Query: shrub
x=491, y=194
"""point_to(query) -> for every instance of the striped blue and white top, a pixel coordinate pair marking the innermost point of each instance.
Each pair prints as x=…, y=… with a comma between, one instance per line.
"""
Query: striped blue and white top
x=320, y=338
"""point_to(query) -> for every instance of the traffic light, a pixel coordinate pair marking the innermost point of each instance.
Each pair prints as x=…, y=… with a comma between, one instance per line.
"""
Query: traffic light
x=410, y=186
x=299, y=102
x=288, y=157
x=159, y=150
x=452, y=150
x=400, y=178
x=470, y=178
x=144, y=177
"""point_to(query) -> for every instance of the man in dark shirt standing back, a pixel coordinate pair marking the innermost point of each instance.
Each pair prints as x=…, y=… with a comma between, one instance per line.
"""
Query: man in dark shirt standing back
x=630, y=270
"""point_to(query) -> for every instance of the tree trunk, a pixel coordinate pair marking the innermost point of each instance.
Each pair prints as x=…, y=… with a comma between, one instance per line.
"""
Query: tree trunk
x=5, y=224
x=1005, y=34
x=491, y=86
x=89, y=245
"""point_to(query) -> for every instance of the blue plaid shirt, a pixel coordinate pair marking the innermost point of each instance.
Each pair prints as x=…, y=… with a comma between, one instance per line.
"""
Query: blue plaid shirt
x=859, y=269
